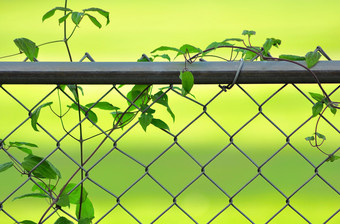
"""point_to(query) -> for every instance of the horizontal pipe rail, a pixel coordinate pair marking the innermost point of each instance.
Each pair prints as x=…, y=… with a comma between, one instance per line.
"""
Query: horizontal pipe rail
x=163, y=72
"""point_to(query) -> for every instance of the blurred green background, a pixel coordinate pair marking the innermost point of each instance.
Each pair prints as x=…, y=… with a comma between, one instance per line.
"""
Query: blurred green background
x=139, y=27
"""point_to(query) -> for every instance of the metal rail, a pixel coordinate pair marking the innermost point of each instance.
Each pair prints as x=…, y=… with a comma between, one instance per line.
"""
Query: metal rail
x=163, y=72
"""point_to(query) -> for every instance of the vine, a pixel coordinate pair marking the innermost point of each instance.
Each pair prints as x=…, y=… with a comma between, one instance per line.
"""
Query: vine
x=140, y=98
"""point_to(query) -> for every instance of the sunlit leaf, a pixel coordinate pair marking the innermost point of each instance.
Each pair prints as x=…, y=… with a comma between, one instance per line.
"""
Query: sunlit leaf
x=333, y=158
x=87, y=210
x=94, y=21
x=165, y=48
x=187, y=81
x=248, y=33
x=63, y=18
x=64, y=200
x=44, y=170
x=165, y=56
x=63, y=220
x=32, y=195
x=317, y=108
x=145, y=120
x=27, y=222
x=74, y=196
x=316, y=96
x=312, y=58
x=292, y=57
x=310, y=138
x=27, y=46
x=35, y=115
x=160, y=124
x=76, y=17
x=5, y=166
x=102, y=105
x=320, y=136
x=101, y=12
x=52, y=11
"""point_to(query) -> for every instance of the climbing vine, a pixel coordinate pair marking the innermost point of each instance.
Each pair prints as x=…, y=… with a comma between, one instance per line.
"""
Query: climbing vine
x=140, y=98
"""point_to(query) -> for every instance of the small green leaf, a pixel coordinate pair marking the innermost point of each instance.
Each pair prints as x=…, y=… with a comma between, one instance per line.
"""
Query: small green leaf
x=312, y=58
x=102, y=105
x=165, y=56
x=163, y=100
x=64, y=200
x=35, y=115
x=164, y=48
x=135, y=92
x=101, y=12
x=76, y=17
x=333, y=110
x=333, y=158
x=14, y=144
x=42, y=185
x=63, y=220
x=85, y=221
x=27, y=46
x=292, y=57
x=233, y=39
x=73, y=90
x=63, y=18
x=248, y=33
x=160, y=124
x=310, y=138
x=27, y=222
x=90, y=114
x=24, y=149
x=32, y=195
x=122, y=118
x=187, y=48
x=316, y=96
x=74, y=196
x=5, y=166
x=87, y=210
x=52, y=11
x=320, y=136
x=269, y=43
x=94, y=21
x=317, y=108
x=145, y=120
x=44, y=170
x=187, y=82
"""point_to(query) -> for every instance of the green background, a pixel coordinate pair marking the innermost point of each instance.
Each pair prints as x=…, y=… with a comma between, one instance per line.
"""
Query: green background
x=139, y=27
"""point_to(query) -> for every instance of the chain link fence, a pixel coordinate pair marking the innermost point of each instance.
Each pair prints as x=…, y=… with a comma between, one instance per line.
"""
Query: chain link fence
x=231, y=156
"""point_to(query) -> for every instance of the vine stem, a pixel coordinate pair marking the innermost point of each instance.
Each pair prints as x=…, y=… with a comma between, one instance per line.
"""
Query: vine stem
x=316, y=131
x=92, y=154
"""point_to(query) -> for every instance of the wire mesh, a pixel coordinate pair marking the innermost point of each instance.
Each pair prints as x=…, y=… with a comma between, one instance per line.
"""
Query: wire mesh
x=232, y=156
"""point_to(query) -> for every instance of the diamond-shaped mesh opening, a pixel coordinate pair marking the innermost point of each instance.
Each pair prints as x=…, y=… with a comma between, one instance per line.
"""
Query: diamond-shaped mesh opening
x=325, y=202
x=231, y=170
x=287, y=170
x=259, y=200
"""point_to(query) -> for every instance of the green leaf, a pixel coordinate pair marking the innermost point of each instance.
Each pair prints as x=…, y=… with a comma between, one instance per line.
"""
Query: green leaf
x=148, y=111
x=187, y=48
x=35, y=115
x=27, y=222
x=160, y=124
x=85, y=221
x=102, y=105
x=87, y=210
x=163, y=101
x=63, y=220
x=248, y=33
x=292, y=57
x=122, y=118
x=233, y=39
x=76, y=17
x=52, y=11
x=165, y=48
x=316, y=96
x=312, y=58
x=42, y=185
x=145, y=120
x=320, y=136
x=94, y=21
x=15, y=144
x=27, y=46
x=333, y=110
x=63, y=18
x=64, y=200
x=24, y=149
x=136, y=92
x=90, y=114
x=317, y=108
x=310, y=138
x=165, y=56
x=333, y=158
x=5, y=166
x=215, y=45
x=32, y=195
x=74, y=196
x=101, y=12
x=73, y=90
x=187, y=82
x=269, y=43
x=44, y=170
